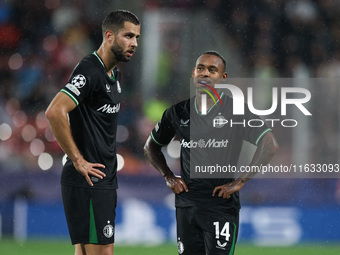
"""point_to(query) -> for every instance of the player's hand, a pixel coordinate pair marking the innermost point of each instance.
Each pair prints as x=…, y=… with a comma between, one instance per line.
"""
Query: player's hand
x=86, y=169
x=226, y=190
x=175, y=183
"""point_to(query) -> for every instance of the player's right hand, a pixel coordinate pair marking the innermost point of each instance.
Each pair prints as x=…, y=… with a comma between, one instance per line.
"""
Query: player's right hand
x=86, y=169
x=175, y=183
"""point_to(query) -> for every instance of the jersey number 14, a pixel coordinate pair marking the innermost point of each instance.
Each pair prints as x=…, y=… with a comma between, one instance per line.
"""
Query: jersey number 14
x=224, y=232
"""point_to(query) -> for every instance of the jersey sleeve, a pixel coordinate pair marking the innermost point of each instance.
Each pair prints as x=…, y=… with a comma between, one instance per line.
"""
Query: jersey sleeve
x=163, y=132
x=80, y=84
x=255, y=127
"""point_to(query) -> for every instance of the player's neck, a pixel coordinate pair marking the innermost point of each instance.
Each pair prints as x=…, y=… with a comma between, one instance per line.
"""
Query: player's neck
x=109, y=61
x=209, y=100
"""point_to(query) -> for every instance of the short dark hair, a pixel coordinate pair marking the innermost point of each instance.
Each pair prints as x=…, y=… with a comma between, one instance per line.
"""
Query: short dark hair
x=116, y=19
x=215, y=53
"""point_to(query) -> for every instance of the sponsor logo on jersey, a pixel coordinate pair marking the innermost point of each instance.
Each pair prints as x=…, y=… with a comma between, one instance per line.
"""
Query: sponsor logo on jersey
x=184, y=123
x=201, y=143
x=118, y=87
x=107, y=108
x=73, y=88
x=79, y=81
x=219, y=121
x=108, y=230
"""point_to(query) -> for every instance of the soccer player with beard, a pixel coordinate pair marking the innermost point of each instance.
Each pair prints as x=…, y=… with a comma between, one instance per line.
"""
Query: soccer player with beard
x=207, y=209
x=83, y=118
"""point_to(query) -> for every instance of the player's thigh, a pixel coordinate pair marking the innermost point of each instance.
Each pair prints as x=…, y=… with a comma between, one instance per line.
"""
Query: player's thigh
x=90, y=214
x=189, y=235
x=97, y=249
x=102, y=216
x=76, y=203
x=220, y=232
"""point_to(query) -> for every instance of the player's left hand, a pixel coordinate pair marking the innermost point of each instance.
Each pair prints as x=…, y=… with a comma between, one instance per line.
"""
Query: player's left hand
x=226, y=190
x=175, y=183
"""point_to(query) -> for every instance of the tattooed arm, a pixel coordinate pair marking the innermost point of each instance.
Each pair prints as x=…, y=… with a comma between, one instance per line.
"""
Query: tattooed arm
x=154, y=154
x=263, y=154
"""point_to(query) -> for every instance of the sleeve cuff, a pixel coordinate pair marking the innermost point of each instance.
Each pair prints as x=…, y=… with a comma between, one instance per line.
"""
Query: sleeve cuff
x=262, y=135
x=70, y=95
x=154, y=139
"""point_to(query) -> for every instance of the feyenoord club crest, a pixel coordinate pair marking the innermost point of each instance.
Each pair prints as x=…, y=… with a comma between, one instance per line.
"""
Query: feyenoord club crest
x=219, y=121
x=108, y=230
x=180, y=247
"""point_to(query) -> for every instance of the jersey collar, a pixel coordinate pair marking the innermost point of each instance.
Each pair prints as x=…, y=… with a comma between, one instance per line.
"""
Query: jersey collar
x=211, y=107
x=101, y=61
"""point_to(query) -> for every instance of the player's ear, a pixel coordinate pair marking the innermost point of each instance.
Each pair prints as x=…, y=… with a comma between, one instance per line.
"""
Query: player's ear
x=225, y=75
x=193, y=73
x=109, y=36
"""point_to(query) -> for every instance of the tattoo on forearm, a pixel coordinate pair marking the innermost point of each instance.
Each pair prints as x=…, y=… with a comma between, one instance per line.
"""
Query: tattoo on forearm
x=263, y=154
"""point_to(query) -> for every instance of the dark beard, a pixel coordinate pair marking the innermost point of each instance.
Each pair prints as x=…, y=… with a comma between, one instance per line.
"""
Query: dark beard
x=118, y=52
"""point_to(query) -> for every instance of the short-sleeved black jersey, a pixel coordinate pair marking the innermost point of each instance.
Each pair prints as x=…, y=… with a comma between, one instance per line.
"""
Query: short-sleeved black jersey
x=94, y=121
x=201, y=143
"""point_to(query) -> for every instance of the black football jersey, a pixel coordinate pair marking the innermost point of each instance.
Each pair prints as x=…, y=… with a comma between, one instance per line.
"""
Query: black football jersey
x=204, y=141
x=94, y=120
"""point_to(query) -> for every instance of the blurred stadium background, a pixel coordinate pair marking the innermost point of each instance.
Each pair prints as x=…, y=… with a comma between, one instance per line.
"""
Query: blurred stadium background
x=42, y=40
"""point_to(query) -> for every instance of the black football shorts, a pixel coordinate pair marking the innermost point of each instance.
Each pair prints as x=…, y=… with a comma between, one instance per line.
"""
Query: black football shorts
x=90, y=214
x=206, y=231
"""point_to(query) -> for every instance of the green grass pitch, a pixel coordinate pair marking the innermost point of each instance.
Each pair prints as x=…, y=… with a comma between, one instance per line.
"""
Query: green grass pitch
x=9, y=246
